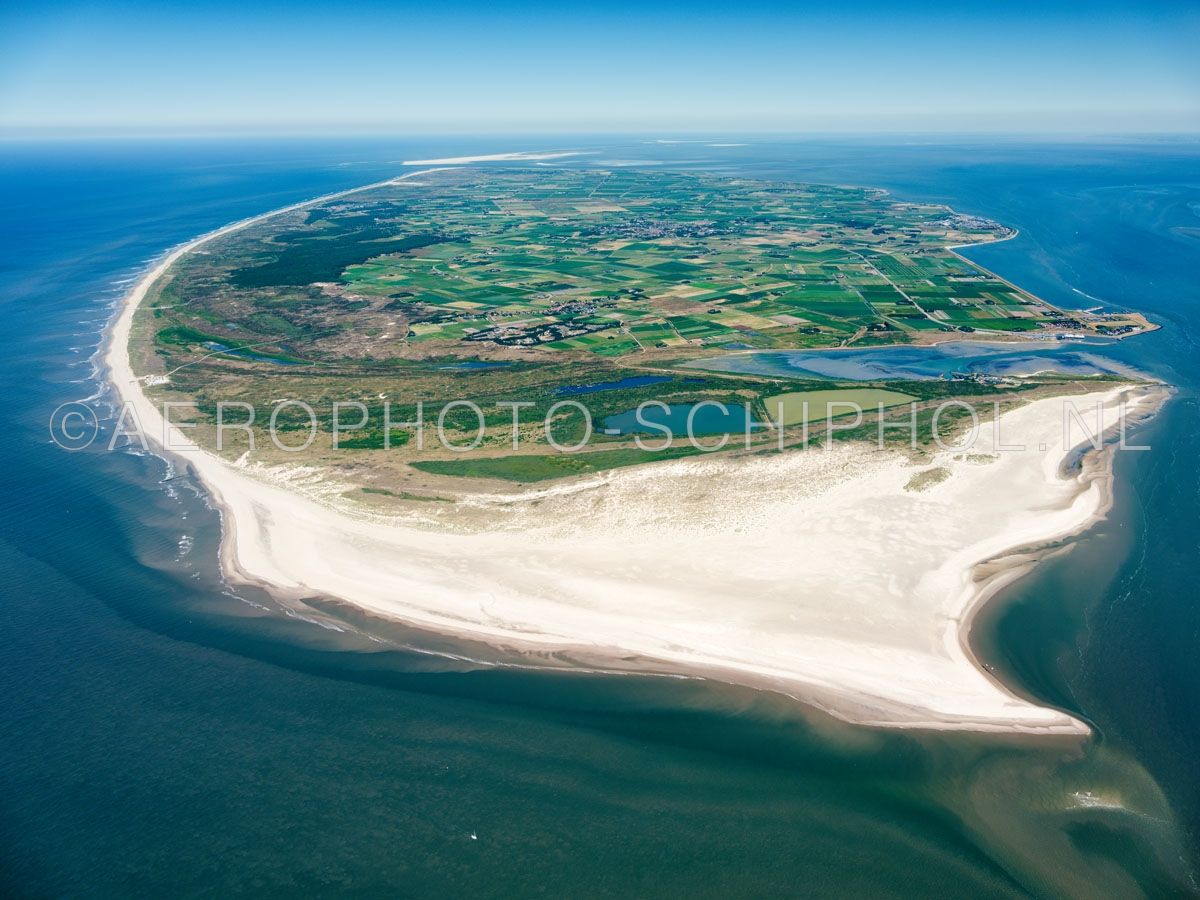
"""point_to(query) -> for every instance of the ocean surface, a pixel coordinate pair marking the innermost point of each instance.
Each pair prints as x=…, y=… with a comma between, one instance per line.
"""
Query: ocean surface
x=163, y=734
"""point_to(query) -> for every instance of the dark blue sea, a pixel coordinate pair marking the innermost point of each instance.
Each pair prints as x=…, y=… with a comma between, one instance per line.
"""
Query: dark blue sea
x=164, y=735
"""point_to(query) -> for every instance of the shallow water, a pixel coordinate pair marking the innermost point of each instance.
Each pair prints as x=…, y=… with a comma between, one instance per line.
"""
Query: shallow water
x=681, y=419
x=945, y=360
x=630, y=381
x=163, y=734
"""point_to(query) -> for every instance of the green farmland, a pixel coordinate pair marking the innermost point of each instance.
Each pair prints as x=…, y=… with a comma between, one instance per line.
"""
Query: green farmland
x=552, y=285
x=618, y=264
x=800, y=407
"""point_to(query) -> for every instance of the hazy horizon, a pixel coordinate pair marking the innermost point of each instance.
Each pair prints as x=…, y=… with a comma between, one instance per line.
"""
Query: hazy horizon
x=697, y=135
x=865, y=67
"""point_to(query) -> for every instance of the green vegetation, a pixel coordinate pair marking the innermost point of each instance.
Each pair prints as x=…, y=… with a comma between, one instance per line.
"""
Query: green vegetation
x=822, y=404
x=553, y=465
x=310, y=257
x=551, y=286
x=611, y=263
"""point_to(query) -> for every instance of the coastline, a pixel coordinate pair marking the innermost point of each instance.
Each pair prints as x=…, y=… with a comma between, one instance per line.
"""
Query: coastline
x=1148, y=327
x=296, y=546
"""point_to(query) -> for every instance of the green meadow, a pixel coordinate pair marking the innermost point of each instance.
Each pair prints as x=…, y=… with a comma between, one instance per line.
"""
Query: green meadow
x=509, y=284
x=815, y=407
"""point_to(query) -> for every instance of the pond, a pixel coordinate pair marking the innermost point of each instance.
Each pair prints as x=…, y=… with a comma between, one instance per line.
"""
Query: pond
x=631, y=381
x=242, y=353
x=708, y=419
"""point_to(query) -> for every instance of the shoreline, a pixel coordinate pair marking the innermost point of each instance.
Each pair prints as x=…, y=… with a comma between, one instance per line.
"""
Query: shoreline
x=260, y=520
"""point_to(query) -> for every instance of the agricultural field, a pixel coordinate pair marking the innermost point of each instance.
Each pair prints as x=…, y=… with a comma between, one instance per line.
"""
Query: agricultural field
x=613, y=264
x=538, y=285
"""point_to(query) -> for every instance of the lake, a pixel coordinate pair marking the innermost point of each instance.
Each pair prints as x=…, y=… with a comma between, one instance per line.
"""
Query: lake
x=680, y=418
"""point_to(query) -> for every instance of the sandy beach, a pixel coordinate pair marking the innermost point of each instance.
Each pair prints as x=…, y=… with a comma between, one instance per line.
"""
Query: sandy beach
x=833, y=577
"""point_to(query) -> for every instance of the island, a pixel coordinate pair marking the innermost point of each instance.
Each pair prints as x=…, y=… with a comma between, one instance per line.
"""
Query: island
x=489, y=402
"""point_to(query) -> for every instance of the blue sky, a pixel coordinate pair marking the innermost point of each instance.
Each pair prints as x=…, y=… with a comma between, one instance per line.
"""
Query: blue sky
x=838, y=66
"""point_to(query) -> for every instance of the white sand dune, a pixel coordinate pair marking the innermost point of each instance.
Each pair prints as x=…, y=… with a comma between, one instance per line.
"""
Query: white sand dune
x=813, y=573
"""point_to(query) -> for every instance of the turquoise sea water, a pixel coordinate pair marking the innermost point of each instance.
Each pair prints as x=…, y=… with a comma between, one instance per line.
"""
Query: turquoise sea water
x=163, y=734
